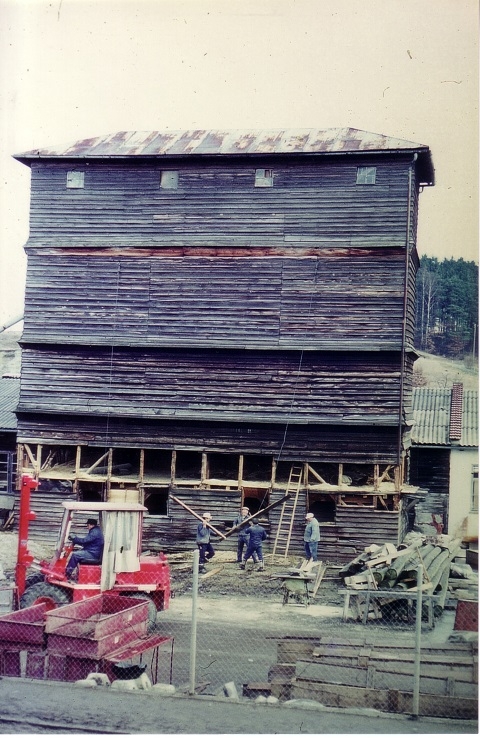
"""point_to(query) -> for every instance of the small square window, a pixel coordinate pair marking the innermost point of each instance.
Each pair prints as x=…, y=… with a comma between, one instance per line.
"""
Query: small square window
x=366, y=175
x=169, y=180
x=264, y=178
x=75, y=180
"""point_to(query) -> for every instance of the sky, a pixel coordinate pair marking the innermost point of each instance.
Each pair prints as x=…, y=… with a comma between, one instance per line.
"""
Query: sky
x=72, y=69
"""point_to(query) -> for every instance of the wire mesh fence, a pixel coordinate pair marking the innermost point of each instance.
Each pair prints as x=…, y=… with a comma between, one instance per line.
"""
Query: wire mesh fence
x=395, y=652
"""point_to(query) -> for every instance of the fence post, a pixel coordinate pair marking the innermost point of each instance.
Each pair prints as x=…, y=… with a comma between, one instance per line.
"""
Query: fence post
x=418, y=638
x=193, y=636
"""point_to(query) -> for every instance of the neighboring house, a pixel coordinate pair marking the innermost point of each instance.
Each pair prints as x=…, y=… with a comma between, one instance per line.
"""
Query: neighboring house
x=444, y=456
x=205, y=309
x=9, y=392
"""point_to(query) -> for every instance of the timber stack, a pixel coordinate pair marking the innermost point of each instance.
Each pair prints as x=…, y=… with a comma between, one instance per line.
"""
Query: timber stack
x=358, y=672
x=391, y=570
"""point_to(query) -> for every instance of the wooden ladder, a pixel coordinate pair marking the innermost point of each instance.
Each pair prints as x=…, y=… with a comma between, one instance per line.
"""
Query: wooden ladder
x=287, y=513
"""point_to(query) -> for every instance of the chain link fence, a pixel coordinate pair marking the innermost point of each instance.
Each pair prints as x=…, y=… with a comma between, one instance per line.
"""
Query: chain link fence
x=393, y=651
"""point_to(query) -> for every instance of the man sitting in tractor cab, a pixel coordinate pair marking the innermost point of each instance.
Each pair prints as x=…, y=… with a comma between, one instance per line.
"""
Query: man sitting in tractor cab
x=92, y=545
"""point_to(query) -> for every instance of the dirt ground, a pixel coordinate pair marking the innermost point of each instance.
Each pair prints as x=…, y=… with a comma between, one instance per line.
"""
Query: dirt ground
x=224, y=578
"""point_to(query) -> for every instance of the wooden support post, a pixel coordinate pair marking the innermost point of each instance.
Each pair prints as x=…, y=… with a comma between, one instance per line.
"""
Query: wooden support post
x=240, y=472
x=376, y=481
x=398, y=484
x=340, y=475
x=173, y=468
x=204, y=470
x=39, y=459
x=141, y=476
x=274, y=472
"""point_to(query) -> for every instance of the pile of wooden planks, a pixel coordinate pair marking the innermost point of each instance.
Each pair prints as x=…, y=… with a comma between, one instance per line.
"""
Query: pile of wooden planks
x=391, y=570
x=356, y=672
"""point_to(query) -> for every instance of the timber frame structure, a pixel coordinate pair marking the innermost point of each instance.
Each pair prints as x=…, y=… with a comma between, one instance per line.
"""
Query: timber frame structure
x=205, y=309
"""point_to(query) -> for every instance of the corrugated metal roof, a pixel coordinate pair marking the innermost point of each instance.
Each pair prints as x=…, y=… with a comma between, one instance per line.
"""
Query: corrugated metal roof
x=431, y=413
x=231, y=142
x=9, y=394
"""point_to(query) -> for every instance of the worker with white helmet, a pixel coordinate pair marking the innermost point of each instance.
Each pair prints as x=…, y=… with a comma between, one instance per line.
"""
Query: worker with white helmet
x=204, y=533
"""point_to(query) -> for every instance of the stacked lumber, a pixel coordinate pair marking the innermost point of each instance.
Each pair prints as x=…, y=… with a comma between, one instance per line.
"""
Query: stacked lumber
x=389, y=569
x=355, y=672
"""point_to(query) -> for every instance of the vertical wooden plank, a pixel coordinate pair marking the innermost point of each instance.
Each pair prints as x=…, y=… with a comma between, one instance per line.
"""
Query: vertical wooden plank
x=340, y=475
x=240, y=472
x=173, y=468
x=376, y=475
x=204, y=470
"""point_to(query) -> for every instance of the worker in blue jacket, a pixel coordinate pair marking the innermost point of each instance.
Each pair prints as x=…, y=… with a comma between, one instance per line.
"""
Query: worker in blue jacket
x=92, y=548
x=243, y=535
x=256, y=536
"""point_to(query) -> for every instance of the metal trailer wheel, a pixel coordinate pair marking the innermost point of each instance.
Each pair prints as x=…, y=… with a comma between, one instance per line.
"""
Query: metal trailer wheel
x=152, y=610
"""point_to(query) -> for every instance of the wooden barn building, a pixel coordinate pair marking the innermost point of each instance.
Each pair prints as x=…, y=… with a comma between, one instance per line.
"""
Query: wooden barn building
x=205, y=310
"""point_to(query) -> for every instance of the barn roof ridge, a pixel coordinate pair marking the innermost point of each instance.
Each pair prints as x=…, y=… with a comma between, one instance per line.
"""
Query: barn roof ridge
x=205, y=142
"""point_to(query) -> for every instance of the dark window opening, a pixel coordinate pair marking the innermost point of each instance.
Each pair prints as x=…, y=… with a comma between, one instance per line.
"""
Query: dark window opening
x=255, y=499
x=257, y=468
x=156, y=500
x=323, y=508
x=188, y=465
x=223, y=466
x=90, y=492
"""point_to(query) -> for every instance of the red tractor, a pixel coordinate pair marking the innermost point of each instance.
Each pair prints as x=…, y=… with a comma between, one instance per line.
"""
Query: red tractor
x=123, y=570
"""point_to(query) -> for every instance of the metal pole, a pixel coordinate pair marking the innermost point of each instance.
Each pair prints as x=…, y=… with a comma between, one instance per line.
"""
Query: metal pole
x=193, y=637
x=418, y=637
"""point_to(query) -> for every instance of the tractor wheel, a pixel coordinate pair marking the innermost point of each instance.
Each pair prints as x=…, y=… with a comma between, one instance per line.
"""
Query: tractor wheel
x=34, y=579
x=51, y=595
x=152, y=610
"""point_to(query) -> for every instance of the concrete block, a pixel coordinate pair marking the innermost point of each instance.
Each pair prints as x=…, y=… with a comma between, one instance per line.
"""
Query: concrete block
x=230, y=690
x=125, y=685
x=164, y=690
x=88, y=683
x=143, y=682
x=101, y=680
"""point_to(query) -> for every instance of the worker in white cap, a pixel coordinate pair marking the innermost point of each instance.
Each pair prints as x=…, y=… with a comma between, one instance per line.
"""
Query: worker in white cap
x=311, y=537
x=243, y=533
x=204, y=533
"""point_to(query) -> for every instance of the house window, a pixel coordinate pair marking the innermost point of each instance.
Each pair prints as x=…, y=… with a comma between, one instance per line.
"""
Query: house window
x=474, y=489
x=169, y=180
x=75, y=180
x=263, y=177
x=366, y=175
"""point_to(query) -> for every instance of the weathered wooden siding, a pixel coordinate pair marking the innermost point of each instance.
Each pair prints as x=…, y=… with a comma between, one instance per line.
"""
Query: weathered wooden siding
x=354, y=528
x=335, y=300
x=328, y=443
x=352, y=389
x=311, y=200
x=430, y=468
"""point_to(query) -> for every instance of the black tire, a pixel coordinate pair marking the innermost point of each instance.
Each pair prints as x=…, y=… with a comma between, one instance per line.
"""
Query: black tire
x=44, y=592
x=34, y=579
x=152, y=610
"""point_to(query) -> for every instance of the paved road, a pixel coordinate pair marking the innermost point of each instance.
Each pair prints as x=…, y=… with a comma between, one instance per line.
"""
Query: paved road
x=30, y=706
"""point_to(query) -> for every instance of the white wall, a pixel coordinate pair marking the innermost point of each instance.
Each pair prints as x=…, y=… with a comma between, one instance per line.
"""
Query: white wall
x=461, y=521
